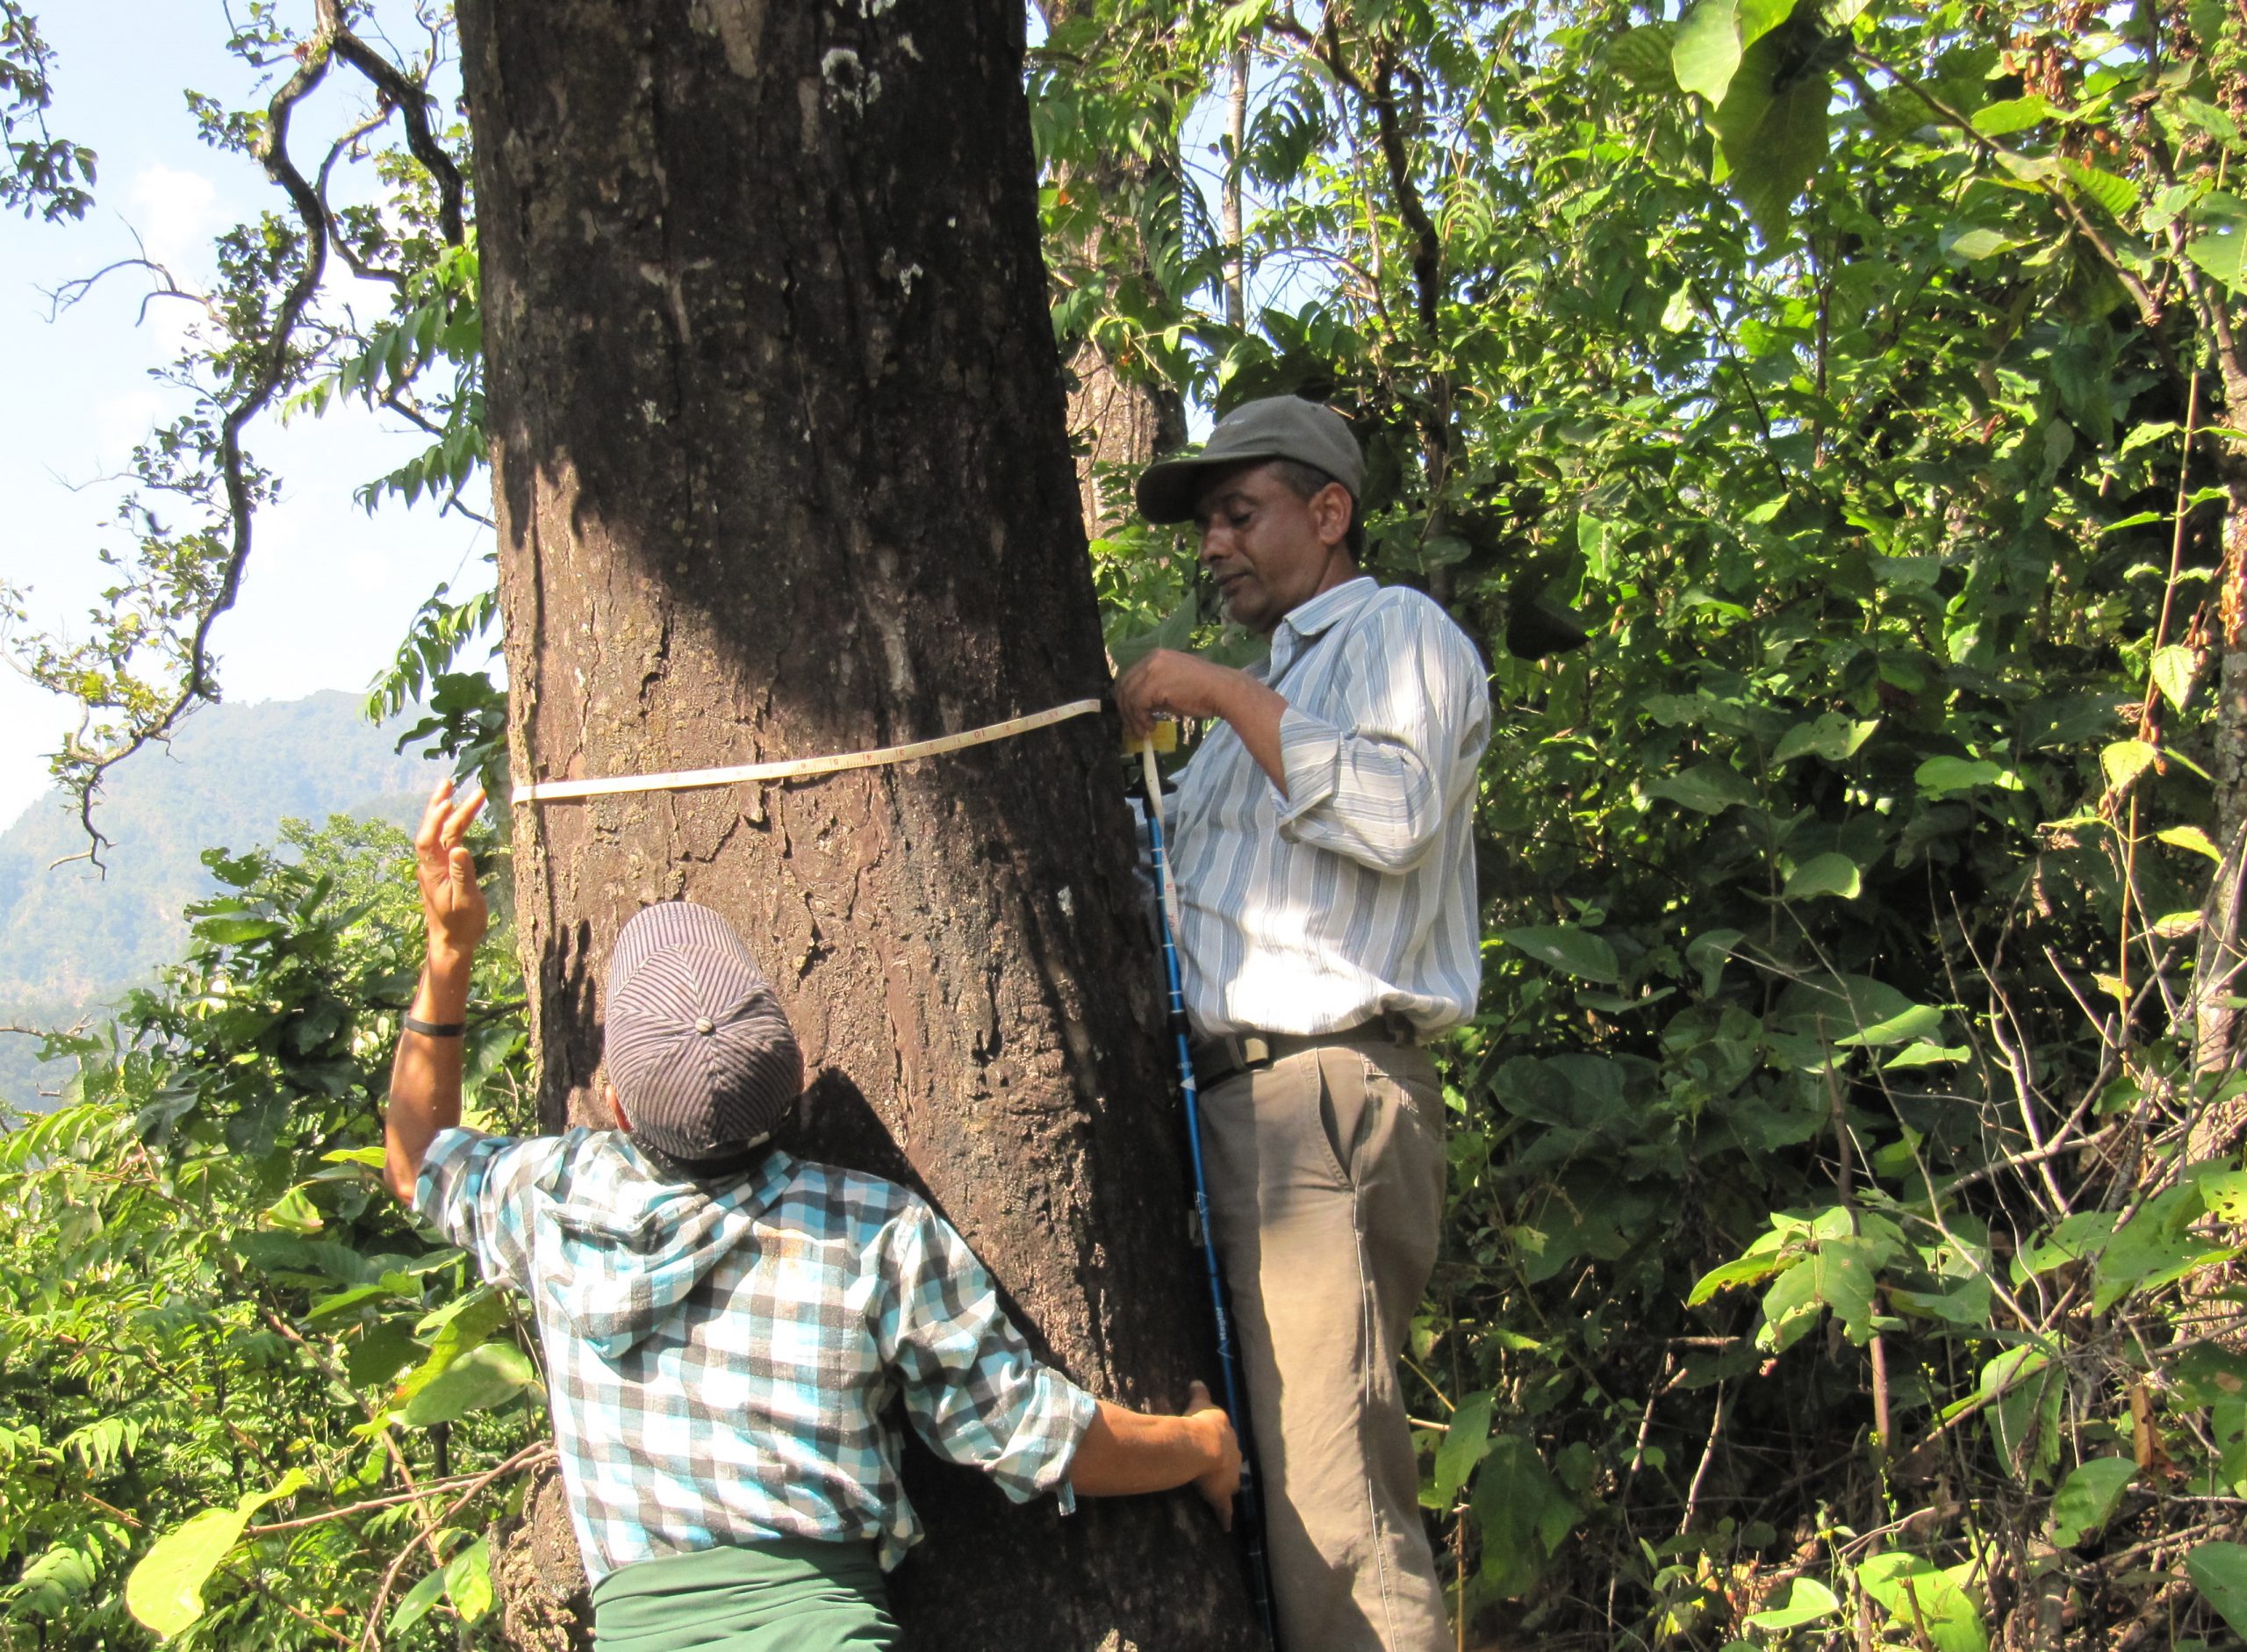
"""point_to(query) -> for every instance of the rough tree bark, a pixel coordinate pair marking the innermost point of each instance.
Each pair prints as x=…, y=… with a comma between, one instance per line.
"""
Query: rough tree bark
x=780, y=470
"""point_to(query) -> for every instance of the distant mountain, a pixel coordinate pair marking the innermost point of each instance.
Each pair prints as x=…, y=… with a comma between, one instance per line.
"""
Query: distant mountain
x=72, y=940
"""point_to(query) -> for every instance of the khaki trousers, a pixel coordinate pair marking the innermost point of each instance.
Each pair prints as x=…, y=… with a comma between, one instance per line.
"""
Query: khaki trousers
x=1326, y=1179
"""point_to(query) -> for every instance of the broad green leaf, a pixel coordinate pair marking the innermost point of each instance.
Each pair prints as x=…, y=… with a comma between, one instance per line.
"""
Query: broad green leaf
x=468, y=1580
x=2219, y=1571
x=1775, y=130
x=1825, y=874
x=237, y=931
x=2087, y=1499
x=490, y=1375
x=2190, y=837
x=2153, y=430
x=1929, y=1054
x=2009, y=115
x=1710, y=787
x=1923, y=1600
x=1807, y=1602
x=1642, y=56
x=1832, y=736
x=1706, y=51
x=294, y=1213
x=1577, y=952
x=165, y=1591
x=2216, y=250
x=1751, y=1269
x=1974, y=244
x=1708, y=952
x=1466, y=1443
x=418, y=1599
x=1938, y=777
x=1913, y=1025
x=2124, y=761
x=2174, y=667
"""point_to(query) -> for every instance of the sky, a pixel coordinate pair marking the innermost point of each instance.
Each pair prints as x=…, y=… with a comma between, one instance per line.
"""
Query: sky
x=329, y=591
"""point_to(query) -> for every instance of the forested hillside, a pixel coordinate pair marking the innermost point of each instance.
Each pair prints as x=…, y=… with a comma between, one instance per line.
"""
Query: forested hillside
x=73, y=936
x=1831, y=420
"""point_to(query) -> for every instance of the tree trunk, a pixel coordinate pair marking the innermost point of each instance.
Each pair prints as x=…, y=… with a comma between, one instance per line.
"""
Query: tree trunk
x=780, y=471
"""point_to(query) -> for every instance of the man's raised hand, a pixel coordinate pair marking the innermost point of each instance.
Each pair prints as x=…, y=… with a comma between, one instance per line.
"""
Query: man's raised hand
x=452, y=901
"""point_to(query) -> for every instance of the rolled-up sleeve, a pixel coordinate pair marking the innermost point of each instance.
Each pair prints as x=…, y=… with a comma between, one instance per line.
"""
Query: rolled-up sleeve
x=472, y=1189
x=1416, y=716
x=970, y=1388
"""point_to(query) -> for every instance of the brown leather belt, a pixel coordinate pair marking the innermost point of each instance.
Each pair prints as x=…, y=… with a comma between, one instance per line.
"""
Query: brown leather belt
x=1227, y=1055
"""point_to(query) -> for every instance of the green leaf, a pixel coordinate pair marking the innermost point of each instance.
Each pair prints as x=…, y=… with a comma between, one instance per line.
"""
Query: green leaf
x=1465, y=1445
x=1807, y=1602
x=2190, y=837
x=417, y=1603
x=229, y=932
x=1825, y=874
x=1974, y=244
x=1575, y=950
x=2083, y=1505
x=1706, y=51
x=1773, y=140
x=468, y=1580
x=1710, y=787
x=2009, y=115
x=1751, y=1269
x=484, y=1377
x=292, y=1213
x=2174, y=667
x=165, y=1591
x=1929, y=1054
x=2124, y=761
x=1938, y=777
x=1642, y=56
x=2216, y=249
x=1923, y=1600
x=1914, y=1025
x=1833, y=737
x=2219, y=1571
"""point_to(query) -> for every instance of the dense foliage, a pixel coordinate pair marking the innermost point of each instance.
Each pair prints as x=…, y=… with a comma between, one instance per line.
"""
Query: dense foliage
x=1825, y=417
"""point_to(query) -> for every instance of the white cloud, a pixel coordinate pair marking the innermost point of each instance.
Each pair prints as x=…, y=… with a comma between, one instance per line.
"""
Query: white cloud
x=172, y=208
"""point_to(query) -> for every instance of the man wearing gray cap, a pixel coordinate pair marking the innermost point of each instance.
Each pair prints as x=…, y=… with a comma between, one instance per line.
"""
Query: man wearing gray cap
x=1323, y=849
x=723, y=1324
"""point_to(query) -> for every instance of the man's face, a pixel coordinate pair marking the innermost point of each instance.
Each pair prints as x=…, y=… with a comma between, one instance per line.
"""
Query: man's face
x=1268, y=551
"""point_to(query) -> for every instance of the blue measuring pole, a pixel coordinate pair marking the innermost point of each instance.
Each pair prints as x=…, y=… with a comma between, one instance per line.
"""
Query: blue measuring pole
x=1252, y=1502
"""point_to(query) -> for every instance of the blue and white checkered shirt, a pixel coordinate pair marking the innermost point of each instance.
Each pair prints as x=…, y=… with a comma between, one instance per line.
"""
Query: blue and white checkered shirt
x=719, y=1356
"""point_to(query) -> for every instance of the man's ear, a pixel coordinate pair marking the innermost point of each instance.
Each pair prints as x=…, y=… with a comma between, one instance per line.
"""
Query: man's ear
x=1331, y=510
x=615, y=1108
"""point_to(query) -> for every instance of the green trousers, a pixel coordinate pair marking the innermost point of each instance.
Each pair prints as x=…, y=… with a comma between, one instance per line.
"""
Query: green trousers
x=791, y=1595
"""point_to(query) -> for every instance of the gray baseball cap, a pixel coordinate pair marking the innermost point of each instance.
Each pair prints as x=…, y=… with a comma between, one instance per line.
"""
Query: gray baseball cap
x=1277, y=428
x=696, y=1043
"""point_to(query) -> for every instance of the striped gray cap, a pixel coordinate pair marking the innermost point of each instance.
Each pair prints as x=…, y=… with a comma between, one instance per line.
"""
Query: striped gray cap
x=697, y=1046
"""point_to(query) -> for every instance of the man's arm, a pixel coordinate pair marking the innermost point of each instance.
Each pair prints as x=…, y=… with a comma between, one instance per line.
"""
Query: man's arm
x=425, y=1077
x=1125, y=1453
x=1164, y=681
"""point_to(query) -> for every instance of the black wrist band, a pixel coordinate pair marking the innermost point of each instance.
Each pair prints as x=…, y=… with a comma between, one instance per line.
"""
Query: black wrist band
x=435, y=1029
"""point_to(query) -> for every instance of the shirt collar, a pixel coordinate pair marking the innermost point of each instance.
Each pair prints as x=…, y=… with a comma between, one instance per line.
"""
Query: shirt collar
x=1306, y=621
x=1329, y=609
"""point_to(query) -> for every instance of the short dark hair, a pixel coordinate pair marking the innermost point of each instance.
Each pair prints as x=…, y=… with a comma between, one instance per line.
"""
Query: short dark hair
x=1305, y=482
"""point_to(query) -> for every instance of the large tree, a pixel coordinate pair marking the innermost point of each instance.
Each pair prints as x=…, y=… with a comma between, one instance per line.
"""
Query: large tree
x=781, y=470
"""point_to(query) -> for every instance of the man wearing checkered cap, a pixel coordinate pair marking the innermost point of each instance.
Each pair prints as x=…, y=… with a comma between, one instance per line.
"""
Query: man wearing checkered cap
x=724, y=1323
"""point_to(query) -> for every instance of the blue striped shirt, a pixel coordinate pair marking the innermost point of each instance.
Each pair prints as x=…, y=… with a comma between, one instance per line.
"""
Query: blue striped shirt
x=1351, y=894
x=718, y=1356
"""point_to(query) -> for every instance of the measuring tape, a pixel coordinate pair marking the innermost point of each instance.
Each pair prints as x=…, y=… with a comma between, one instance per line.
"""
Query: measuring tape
x=802, y=768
